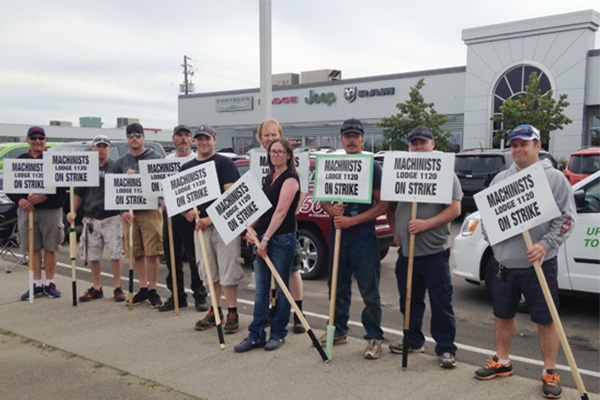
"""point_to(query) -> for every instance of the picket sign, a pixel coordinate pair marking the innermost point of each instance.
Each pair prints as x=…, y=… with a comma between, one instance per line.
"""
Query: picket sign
x=418, y=177
x=25, y=175
x=71, y=168
x=344, y=178
x=191, y=188
x=124, y=192
x=155, y=171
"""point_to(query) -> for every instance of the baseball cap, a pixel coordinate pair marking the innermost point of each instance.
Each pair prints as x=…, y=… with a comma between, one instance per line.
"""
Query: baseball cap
x=524, y=132
x=35, y=129
x=205, y=130
x=135, y=128
x=420, y=132
x=352, y=125
x=99, y=139
x=180, y=128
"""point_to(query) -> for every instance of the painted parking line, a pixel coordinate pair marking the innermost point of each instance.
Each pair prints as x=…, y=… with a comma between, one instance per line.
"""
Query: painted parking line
x=465, y=347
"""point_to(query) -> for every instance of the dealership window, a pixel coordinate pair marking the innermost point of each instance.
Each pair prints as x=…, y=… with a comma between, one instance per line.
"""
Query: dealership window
x=512, y=84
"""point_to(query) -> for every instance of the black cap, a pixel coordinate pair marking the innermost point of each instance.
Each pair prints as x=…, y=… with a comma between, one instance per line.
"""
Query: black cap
x=352, y=125
x=35, y=129
x=135, y=128
x=205, y=130
x=420, y=132
x=180, y=128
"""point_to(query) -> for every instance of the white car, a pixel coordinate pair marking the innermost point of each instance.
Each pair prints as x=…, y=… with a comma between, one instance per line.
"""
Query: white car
x=578, y=258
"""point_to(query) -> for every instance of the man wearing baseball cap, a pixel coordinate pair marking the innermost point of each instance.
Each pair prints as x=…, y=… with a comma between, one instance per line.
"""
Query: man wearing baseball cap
x=515, y=275
x=223, y=258
x=359, y=252
x=183, y=236
x=101, y=227
x=147, y=224
x=431, y=274
x=48, y=230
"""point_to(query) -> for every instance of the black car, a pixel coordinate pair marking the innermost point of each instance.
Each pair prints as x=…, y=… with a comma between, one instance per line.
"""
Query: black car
x=476, y=168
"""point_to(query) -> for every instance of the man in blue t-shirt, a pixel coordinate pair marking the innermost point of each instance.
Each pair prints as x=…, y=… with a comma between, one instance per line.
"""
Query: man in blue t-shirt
x=359, y=252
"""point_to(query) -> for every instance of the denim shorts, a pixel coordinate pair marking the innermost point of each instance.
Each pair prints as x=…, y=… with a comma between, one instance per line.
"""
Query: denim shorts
x=507, y=291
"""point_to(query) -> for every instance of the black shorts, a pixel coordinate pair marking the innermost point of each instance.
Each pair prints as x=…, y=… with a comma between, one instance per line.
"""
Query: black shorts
x=507, y=290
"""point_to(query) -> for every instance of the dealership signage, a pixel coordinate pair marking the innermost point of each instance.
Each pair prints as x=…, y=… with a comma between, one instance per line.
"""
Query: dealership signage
x=283, y=100
x=318, y=98
x=351, y=93
x=238, y=103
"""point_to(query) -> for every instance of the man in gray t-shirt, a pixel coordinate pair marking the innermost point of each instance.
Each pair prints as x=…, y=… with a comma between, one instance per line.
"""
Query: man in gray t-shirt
x=431, y=271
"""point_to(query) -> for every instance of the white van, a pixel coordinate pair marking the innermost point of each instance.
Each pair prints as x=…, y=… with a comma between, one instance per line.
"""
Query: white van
x=578, y=258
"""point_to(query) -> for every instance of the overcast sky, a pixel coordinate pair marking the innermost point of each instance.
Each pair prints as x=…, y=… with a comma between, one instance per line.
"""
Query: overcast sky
x=61, y=60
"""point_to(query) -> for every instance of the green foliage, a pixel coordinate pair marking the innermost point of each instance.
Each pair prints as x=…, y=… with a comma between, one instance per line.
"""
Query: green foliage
x=415, y=112
x=533, y=108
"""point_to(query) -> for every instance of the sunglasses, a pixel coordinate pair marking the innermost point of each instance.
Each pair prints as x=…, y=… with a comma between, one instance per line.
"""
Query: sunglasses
x=525, y=132
x=134, y=135
x=40, y=138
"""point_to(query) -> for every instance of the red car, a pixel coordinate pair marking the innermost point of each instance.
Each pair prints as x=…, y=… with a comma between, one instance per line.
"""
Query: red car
x=314, y=225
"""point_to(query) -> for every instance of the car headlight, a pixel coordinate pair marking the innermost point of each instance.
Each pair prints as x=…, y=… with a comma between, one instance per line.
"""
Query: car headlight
x=4, y=198
x=469, y=225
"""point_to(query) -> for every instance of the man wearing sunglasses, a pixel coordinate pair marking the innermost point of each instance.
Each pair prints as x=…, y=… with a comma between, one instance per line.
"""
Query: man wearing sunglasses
x=48, y=228
x=147, y=224
x=515, y=274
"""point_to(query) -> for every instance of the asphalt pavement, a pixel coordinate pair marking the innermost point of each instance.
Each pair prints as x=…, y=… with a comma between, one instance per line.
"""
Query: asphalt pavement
x=101, y=350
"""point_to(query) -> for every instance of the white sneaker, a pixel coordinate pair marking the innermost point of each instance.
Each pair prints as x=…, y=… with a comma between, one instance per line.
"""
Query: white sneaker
x=373, y=350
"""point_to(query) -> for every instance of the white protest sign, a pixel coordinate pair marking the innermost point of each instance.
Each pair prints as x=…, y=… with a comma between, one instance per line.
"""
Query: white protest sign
x=71, y=168
x=242, y=204
x=418, y=177
x=259, y=168
x=25, y=175
x=344, y=178
x=124, y=192
x=192, y=187
x=516, y=204
x=154, y=171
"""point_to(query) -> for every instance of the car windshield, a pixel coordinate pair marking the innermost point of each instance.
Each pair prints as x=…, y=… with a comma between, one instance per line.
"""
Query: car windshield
x=479, y=164
x=584, y=164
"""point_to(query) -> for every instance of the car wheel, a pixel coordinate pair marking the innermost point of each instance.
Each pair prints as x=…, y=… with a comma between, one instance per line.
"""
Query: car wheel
x=383, y=253
x=313, y=254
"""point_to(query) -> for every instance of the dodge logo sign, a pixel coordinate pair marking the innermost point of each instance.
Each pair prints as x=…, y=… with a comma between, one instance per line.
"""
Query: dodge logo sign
x=350, y=94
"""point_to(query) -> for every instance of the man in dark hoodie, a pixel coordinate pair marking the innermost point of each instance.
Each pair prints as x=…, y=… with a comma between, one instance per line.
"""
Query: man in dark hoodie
x=48, y=227
x=147, y=224
x=515, y=274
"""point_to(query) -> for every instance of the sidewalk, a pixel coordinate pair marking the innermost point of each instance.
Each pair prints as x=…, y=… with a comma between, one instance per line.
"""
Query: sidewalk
x=143, y=353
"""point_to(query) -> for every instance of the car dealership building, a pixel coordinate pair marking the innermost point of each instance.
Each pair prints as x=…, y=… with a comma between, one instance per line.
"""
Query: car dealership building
x=560, y=48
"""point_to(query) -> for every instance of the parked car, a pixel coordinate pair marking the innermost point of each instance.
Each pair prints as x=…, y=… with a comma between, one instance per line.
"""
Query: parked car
x=582, y=163
x=314, y=226
x=15, y=149
x=578, y=258
x=475, y=168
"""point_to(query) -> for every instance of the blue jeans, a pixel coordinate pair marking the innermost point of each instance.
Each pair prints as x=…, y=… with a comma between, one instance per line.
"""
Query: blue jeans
x=358, y=258
x=281, y=250
x=431, y=273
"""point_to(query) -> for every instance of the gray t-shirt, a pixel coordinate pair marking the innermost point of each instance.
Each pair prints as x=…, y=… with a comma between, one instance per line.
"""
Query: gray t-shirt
x=433, y=240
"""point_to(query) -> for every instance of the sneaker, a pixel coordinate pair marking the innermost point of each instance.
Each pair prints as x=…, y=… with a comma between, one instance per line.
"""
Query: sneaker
x=373, y=350
x=51, y=290
x=91, y=294
x=232, y=325
x=118, y=295
x=140, y=297
x=169, y=305
x=398, y=348
x=551, y=388
x=447, y=360
x=246, y=345
x=37, y=291
x=154, y=299
x=201, y=304
x=493, y=369
x=208, y=321
x=336, y=339
x=274, y=344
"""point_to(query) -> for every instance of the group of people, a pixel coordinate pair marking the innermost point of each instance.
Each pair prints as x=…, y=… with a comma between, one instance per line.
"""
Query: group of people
x=276, y=230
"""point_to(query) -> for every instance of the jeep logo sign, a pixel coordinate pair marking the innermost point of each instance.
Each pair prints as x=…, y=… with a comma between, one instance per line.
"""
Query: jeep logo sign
x=351, y=93
x=317, y=98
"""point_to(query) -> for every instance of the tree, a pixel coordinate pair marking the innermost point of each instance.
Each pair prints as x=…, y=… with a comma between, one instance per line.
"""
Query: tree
x=415, y=112
x=533, y=108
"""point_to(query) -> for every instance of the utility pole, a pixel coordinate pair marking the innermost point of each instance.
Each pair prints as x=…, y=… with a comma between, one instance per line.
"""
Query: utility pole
x=187, y=86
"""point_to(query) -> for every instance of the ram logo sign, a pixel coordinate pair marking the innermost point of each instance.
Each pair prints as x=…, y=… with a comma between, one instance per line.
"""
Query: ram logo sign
x=351, y=93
